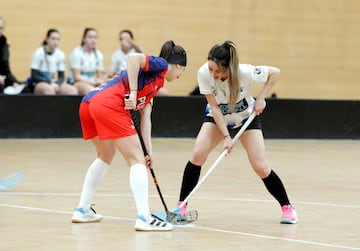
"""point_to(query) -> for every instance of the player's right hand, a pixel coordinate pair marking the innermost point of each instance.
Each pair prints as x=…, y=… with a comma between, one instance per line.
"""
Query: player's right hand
x=228, y=144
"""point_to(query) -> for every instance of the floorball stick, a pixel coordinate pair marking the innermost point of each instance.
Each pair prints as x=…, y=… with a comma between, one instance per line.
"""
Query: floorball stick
x=168, y=213
x=215, y=164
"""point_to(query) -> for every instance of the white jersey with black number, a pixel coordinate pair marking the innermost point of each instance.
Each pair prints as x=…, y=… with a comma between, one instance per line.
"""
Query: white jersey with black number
x=48, y=64
x=87, y=62
x=119, y=60
x=249, y=75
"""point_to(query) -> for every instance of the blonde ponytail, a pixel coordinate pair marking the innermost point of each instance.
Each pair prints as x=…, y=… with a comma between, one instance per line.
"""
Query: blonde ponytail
x=234, y=75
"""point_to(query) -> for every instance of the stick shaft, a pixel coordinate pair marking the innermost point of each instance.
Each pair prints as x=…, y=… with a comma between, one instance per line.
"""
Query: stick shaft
x=218, y=160
x=133, y=116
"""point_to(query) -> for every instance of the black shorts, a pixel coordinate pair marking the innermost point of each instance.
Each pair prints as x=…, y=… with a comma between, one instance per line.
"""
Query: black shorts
x=255, y=124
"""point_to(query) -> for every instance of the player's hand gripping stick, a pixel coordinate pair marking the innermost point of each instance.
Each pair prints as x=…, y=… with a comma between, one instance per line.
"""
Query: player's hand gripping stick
x=169, y=215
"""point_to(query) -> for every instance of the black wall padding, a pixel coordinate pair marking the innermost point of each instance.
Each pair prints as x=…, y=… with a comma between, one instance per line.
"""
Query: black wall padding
x=318, y=119
x=177, y=116
x=32, y=116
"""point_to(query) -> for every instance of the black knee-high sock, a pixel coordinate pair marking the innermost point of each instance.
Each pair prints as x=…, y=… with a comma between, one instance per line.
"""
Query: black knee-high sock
x=190, y=179
x=276, y=188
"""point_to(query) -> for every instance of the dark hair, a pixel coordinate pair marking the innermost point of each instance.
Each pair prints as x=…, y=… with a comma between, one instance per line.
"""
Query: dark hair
x=85, y=33
x=174, y=54
x=48, y=34
x=225, y=55
x=220, y=54
x=127, y=31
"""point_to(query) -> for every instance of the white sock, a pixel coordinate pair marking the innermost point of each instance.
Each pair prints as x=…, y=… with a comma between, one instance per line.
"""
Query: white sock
x=139, y=186
x=93, y=177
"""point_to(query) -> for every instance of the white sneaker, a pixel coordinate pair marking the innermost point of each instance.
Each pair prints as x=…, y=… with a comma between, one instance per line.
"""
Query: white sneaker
x=152, y=223
x=82, y=215
x=11, y=90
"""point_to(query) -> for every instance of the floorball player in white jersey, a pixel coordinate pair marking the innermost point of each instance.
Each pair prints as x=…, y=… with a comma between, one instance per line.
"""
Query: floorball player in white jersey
x=226, y=85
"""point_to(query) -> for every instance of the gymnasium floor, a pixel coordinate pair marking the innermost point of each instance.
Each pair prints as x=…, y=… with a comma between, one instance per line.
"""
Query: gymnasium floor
x=235, y=211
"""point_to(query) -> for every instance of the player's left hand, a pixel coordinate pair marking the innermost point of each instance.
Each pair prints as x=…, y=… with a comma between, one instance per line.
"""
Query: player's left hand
x=148, y=161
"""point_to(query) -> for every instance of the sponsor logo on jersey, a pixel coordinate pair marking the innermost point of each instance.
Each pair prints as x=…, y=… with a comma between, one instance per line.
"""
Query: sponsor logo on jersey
x=257, y=70
x=240, y=106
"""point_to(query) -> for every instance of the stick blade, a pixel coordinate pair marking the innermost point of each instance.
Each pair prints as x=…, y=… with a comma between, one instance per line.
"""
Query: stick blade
x=11, y=181
x=189, y=217
x=175, y=219
x=166, y=216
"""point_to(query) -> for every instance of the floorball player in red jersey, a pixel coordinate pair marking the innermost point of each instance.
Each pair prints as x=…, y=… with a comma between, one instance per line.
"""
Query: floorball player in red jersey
x=106, y=121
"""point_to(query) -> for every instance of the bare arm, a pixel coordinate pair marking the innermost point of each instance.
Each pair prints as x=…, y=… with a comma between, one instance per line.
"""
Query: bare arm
x=220, y=121
x=273, y=76
x=135, y=62
x=145, y=127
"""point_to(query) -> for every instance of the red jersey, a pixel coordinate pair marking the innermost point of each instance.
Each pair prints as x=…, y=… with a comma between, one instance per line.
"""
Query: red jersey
x=150, y=80
x=102, y=110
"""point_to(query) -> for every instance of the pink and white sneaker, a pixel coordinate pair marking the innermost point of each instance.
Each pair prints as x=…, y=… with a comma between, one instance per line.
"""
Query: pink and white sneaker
x=289, y=215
